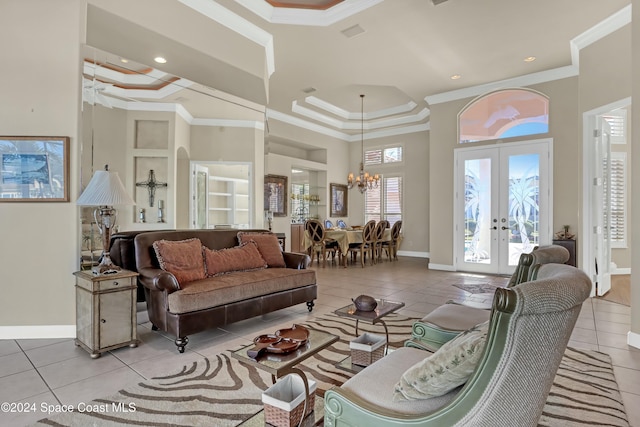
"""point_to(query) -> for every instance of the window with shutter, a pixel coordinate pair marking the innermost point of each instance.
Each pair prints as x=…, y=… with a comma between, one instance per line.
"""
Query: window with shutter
x=617, y=120
x=379, y=156
x=618, y=220
x=385, y=202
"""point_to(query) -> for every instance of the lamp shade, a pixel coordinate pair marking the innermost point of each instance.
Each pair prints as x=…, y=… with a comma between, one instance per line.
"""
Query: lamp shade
x=105, y=189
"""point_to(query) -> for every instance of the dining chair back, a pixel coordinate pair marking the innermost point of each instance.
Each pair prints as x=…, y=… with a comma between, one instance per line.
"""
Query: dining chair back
x=378, y=236
x=391, y=246
x=367, y=245
x=319, y=243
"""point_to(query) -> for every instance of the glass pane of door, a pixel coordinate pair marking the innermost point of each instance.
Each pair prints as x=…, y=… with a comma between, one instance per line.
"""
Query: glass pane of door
x=477, y=211
x=524, y=205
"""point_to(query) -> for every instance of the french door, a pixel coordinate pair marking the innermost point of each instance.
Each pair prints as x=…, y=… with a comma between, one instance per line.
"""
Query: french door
x=502, y=204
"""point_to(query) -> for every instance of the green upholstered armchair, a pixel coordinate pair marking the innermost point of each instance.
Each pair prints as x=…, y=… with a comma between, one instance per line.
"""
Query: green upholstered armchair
x=449, y=320
x=529, y=329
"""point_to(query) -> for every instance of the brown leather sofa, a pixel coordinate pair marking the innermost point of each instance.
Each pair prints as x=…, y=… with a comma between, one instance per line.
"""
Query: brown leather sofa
x=217, y=301
x=123, y=253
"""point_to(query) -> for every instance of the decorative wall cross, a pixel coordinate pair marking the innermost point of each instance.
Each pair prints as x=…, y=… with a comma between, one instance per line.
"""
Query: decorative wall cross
x=151, y=185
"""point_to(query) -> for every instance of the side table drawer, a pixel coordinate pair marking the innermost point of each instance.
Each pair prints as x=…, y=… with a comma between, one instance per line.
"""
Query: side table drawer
x=96, y=285
x=123, y=282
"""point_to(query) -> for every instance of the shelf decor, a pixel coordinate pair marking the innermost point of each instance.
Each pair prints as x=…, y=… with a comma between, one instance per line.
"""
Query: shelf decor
x=34, y=168
x=275, y=194
x=339, y=201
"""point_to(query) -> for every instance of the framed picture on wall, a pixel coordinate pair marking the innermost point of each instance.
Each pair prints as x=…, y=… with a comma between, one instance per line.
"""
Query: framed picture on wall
x=34, y=169
x=275, y=194
x=339, y=201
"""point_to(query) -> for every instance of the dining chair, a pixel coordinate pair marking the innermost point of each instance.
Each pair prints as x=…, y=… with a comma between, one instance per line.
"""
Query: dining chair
x=367, y=244
x=328, y=223
x=341, y=223
x=378, y=236
x=391, y=246
x=319, y=242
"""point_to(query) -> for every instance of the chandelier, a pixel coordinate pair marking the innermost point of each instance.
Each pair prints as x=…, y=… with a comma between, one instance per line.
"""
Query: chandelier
x=363, y=181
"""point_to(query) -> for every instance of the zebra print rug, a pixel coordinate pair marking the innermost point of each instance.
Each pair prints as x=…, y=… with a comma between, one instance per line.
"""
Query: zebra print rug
x=223, y=392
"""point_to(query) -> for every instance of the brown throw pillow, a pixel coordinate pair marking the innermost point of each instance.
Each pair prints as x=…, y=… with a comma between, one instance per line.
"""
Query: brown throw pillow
x=268, y=246
x=182, y=258
x=241, y=258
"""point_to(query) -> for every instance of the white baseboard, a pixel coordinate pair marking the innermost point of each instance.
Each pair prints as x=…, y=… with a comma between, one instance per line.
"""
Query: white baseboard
x=37, y=332
x=443, y=267
x=621, y=271
x=414, y=254
x=633, y=339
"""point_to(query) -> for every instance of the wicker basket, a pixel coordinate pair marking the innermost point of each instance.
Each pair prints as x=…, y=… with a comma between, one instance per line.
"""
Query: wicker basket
x=284, y=401
x=366, y=349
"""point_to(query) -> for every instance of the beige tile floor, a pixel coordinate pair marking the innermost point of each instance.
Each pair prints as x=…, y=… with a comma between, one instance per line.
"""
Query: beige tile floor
x=50, y=371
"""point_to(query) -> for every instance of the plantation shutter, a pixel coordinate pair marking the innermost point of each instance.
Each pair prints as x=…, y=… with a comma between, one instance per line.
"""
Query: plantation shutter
x=373, y=204
x=393, y=199
x=617, y=176
x=373, y=157
x=618, y=122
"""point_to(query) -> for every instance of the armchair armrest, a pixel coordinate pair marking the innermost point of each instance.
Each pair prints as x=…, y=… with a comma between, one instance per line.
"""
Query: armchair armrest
x=158, y=279
x=296, y=260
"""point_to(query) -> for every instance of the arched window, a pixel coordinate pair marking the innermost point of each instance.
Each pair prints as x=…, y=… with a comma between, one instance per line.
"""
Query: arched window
x=504, y=114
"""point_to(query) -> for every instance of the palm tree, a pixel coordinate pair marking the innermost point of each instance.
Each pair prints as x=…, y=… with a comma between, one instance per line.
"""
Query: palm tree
x=523, y=203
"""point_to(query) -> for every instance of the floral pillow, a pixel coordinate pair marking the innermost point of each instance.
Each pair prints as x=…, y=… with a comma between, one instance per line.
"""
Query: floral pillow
x=449, y=367
x=182, y=258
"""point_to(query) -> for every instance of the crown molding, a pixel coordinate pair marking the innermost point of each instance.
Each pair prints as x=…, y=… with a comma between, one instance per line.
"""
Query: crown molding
x=352, y=125
x=309, y=17
x=347, y=115
x=99, y=70
x=295, y=121
x=253, y=124
x=525, y=80
x=236, y=23
x=599, y=31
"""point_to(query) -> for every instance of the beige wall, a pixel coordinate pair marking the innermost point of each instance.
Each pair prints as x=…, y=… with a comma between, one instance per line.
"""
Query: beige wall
x=40, y=96
x=415, y=174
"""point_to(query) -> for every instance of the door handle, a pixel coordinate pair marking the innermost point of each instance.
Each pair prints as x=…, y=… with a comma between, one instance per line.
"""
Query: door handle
x=505, y=228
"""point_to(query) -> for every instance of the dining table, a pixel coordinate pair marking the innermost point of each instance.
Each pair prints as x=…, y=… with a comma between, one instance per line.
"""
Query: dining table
x=344, y=237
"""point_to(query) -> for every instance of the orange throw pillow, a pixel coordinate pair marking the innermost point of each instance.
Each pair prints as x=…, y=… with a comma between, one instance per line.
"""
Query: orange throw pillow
x=241, y=258
x=182, y=258
x=268, y=245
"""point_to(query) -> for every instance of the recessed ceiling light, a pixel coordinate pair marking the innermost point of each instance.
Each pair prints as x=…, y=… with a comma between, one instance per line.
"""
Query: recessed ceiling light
x=160, y=60
x=529, y=59
x=124, y=60
x=456, y=77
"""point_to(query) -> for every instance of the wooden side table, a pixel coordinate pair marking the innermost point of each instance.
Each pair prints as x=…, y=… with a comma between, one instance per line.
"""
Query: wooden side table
x=570, y=244
x=105, y=311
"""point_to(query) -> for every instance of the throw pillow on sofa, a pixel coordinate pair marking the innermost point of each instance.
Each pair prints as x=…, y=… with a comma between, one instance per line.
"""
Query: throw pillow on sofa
x=245, y=257
x=448, y=368
x=268, y=245
x=182, y=258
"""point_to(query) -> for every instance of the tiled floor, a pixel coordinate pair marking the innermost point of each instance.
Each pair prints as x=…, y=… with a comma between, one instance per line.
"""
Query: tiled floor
x=55, y=372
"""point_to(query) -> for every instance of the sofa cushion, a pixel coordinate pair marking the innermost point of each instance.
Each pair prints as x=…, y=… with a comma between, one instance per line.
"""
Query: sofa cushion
x=237, y=286
x=375, y=384
x=182, y=258
x=449, y=367
x=240, y=258
x=268, y=245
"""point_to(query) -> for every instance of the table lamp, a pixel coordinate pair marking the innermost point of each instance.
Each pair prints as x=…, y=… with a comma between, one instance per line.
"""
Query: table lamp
x=104, y=191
